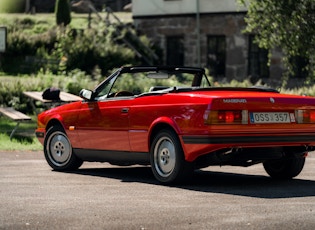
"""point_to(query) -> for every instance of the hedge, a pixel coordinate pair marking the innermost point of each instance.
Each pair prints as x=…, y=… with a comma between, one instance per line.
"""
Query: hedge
x=60, y=49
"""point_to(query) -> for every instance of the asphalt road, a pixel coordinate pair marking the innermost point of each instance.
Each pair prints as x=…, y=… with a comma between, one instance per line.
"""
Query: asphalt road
x=101, y=196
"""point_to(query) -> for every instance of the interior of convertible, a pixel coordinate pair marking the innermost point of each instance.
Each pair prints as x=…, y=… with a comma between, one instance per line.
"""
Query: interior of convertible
x=146, y=83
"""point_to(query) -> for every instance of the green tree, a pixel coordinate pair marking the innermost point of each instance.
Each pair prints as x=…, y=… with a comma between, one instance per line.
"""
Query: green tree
x=62, y=11
x=287, y=24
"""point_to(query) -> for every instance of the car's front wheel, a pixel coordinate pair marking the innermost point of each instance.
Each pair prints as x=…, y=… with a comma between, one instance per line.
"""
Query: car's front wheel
x=284, y=168
x=58, y=151
x=167, y=159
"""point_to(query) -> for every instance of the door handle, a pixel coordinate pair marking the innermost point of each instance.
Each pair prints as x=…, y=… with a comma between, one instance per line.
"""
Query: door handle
x=124, y=110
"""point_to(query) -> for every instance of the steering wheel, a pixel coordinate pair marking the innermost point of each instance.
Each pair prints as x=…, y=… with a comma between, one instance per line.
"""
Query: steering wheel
x=123, y=93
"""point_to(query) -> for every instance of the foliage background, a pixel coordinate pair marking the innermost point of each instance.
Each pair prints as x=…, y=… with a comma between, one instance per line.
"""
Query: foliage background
x=288, y=24
x=41, y=55
x=35, y=44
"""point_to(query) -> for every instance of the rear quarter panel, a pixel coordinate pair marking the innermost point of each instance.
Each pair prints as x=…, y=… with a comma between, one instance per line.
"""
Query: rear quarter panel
x=183, y=112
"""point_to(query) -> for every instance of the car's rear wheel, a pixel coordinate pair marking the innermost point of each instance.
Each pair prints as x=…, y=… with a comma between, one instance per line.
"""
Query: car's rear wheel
x=284, y=168
x=58, y=151
x=167, y=159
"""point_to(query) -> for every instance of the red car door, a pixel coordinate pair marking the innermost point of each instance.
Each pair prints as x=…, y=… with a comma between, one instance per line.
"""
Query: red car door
x=104, y=125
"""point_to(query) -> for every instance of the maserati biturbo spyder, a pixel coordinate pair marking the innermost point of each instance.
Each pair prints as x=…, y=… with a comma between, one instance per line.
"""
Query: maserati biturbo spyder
x=172, y=119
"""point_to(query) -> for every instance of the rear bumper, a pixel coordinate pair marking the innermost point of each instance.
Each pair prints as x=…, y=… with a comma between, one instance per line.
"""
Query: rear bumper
x=198, y=145
x=301, y=139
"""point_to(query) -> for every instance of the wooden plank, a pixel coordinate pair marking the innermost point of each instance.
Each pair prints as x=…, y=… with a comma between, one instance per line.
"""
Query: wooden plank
x=36, y=96
x=14, y=114
x=68, y=97
x=64, y=97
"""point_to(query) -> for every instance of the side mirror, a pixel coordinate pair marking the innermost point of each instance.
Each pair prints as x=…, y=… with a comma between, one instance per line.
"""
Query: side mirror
x=86, y=94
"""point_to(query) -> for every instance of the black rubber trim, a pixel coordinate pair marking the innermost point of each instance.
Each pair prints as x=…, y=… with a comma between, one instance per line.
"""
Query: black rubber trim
x=109, y=155
x=246, y=139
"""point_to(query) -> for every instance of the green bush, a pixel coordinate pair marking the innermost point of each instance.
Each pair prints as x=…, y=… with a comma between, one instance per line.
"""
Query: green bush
x=89, y=48
x=11, y=90
x=22, y=54
x=23, y=45
x=62, y=50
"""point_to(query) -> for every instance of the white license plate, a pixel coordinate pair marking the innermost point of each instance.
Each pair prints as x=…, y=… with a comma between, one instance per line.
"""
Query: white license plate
x=271, y=117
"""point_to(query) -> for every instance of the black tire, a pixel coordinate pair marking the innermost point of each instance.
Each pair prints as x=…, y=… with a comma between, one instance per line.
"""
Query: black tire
x=284, y=168
x=58, y=151
x=167, y=159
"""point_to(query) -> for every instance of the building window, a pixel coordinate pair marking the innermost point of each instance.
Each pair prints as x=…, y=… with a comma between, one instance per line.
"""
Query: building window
x=175, y=50
x=216, y=55
x=299, y=66
x=257, y=60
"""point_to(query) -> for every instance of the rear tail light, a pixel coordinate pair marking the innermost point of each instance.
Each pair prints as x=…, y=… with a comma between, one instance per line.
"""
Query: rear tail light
x=305, y=116
x=226, y=117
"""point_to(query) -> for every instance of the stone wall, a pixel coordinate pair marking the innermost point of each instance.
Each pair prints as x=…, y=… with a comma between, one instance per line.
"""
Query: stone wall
x=230, y=25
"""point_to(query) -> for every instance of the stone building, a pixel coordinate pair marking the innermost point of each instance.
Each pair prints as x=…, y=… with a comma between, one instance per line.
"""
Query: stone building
x=206, y=33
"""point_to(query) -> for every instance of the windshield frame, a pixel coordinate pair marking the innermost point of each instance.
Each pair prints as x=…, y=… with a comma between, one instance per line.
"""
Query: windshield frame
x=109, y=82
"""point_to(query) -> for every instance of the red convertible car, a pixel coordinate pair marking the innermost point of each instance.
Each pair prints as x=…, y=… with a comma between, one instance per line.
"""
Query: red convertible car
x=172, y=119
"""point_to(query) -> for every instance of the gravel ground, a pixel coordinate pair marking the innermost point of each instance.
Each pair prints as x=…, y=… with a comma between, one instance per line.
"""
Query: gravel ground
x=102, y=196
